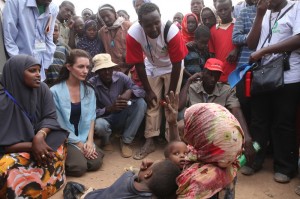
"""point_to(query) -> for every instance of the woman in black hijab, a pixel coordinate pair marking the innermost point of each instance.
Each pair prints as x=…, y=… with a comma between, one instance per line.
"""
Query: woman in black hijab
x=31, y=140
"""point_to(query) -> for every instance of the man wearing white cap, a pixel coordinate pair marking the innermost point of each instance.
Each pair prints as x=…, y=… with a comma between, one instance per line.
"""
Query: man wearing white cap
x=120, y=104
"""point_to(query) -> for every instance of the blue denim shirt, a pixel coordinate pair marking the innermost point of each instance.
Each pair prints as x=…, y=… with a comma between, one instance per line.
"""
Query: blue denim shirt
x=62, y=101
x=242, y=27
x=23, y=25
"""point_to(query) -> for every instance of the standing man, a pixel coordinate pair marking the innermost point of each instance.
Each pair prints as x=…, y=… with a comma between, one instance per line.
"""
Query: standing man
x=66, y=12
x=113, y=35
x=196, y=7
x=160, y=70
x=28, y=29
x=241, y=30
x=276, y=110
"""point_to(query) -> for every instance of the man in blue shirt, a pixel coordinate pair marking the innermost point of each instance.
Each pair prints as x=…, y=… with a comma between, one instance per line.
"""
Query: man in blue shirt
x=120, y=104
x=28, y=27
x=241, y=29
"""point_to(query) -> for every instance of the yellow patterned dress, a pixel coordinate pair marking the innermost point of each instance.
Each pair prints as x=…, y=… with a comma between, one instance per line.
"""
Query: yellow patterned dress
x=21, y=177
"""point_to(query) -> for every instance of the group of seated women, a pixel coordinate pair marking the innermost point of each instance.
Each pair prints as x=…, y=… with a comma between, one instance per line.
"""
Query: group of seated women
x=35, y=154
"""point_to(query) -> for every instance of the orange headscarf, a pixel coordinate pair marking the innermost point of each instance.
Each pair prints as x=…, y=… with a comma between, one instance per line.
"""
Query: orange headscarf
x=186, y=35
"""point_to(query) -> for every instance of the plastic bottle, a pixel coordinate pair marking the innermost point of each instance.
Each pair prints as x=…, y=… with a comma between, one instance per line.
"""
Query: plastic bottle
x=248, y=78
x=242, y=159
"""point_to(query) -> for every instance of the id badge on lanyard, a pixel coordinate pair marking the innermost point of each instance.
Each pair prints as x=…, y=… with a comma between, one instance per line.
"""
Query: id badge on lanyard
x=39, y=45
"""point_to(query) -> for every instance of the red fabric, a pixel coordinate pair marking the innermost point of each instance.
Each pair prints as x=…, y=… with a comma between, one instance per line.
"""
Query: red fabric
x=221, y=45
x=134, y=54
x=186, y=35
x=177, y=49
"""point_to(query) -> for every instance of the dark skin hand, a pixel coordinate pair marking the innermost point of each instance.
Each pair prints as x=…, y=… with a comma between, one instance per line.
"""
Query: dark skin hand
x=232, y=56
x=121, y=102
x=150, y=97
x=248, y=145
x=183, y=93
x=40, y=148
x=254, y=34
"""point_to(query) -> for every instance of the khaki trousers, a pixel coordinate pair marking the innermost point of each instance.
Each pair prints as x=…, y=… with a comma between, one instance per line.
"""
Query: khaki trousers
x=160, y=86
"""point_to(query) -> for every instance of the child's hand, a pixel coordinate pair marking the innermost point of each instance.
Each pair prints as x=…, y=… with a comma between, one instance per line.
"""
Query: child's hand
x=146, y=163
x=191, y=44
x=171, y=108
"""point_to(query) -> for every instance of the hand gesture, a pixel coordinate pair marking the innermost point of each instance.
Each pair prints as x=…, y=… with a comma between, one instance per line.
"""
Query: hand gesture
x=151, y=98
x=171, y=107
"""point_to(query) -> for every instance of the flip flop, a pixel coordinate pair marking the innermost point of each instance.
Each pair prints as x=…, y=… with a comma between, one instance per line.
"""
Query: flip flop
x=142, y=153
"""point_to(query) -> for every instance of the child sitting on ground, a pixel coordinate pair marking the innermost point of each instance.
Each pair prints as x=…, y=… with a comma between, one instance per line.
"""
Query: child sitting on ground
x=156, y=179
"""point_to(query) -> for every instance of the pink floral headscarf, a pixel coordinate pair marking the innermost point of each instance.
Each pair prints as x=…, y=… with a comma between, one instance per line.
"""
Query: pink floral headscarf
x=215, y=138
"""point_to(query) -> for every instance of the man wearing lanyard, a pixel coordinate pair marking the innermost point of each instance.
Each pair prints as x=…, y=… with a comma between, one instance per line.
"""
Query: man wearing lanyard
x=28, y=27
x=161, y=69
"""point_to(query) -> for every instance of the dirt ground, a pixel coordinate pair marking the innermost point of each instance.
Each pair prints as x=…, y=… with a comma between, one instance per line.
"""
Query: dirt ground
x=259, y=186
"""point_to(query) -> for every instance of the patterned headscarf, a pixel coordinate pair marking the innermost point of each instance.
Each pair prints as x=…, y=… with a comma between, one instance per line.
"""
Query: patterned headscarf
x=186, y=35
x=216, y=140
x=94, y=46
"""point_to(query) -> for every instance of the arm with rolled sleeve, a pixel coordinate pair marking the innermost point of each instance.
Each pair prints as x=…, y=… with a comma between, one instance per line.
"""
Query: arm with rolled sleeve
x=136, y=90
x=177, y=52
x=10, y=29
x=232, y=101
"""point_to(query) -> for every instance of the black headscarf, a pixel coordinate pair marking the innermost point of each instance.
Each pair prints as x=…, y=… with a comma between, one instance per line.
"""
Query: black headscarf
x=15, y=126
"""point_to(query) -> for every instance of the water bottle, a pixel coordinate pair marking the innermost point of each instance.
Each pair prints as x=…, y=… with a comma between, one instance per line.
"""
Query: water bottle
x=242, y=159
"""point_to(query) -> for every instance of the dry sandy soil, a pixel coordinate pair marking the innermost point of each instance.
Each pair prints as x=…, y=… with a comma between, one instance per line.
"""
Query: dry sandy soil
x=259, y=186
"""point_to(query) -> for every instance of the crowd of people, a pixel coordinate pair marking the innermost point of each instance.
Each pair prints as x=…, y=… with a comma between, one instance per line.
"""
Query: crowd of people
x=69, y=82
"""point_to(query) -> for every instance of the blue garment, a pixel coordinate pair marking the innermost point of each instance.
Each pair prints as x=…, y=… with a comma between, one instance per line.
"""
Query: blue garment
x=123, y=188
x=127, y=120
x=195, y=60
x=23, y=26
x=241, y=29
x=62, y=101
x=107, y=96
x=238, y=8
